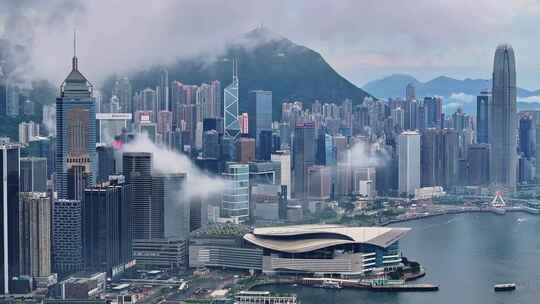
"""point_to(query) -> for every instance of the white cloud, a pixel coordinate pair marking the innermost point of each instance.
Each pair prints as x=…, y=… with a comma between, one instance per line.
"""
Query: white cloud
x=198, y=183
x=452, y=105
x=461, y=98
x=530, y=99
x=116, y=36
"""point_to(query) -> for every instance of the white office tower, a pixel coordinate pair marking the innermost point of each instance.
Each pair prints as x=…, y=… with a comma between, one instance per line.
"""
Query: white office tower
x=409, y=162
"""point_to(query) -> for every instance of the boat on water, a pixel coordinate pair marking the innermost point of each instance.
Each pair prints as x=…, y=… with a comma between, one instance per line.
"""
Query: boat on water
x=504, y=287
x=330, y=285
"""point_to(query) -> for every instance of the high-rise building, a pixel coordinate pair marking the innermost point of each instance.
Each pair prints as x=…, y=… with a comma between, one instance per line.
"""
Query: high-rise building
x=33, y=174
x=42, y=147
x=125, y=193
x=106, y=239
x=75, y=129
x=243, y=121
x=230, y=105
x=410, y=92
x=260, y=112
x=245, y=150
x=216, y=108
x=163, y=91
x=525, y=136
x=303, y=157
x=411, y=115
x=137, y=169
x=9, y=209
x=478, y=164
x=164, y=122
x=319, y=182
x=460, y=120
x=265, y=145
x=67, y=255
x=123, y=90
x=325, y=150
x=28, y=131
x=502, y=120
x=35, y=234
x=433, y=110
x=168, y=193
x=284, y=159
x=148, y=101
x=398, y=117
x=235, y=201
x=409, y=162
x=483, y=102
x=439, y=157
x=12, y=100
x=77, y=180
x=211, y=147
x=106, y=163
x=3, y=98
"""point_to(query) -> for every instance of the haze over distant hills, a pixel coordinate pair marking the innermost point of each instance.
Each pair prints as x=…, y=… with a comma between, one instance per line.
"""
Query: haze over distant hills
x=267, y=61
x=457, y=93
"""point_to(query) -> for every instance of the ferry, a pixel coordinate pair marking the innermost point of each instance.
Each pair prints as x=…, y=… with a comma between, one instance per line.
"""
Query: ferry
x=504, y=287
x=330, y=285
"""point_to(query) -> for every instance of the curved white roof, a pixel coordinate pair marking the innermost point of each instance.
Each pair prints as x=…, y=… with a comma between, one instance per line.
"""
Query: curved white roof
x=312, y=237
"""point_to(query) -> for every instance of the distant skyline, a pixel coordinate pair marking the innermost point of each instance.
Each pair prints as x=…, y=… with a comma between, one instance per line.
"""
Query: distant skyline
x=362, y=40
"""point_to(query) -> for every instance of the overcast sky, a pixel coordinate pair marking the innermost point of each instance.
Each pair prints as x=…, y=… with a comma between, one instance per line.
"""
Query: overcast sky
x=363, y=40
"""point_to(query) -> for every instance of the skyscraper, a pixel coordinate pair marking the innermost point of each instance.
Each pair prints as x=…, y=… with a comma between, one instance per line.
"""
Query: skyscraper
x=167, y=193
x=245, y=150
x=409, y=162
x=478, y=164
x=303, y=157
x=75, y=129
x=410, y=92
x=106, y=239
x=9, y=210
x=260, y=112
x=525, y=136
x=106, y=163
x=33, y=176
x=235, y=202
x=137, y=168
x=284, y=159
x=28, y=131
x=123, y=90
x=433, y=110
x=483, y=102
x=265, y=145
x=230, y=105
x=35, y=234
x=67, y=256
x=215, y=108
x=439, y=157
x=502, y=119
x=148, y=101
x=163, y=92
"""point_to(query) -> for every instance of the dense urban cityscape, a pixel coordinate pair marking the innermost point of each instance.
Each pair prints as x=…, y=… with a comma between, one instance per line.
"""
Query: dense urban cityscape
x=163, y=190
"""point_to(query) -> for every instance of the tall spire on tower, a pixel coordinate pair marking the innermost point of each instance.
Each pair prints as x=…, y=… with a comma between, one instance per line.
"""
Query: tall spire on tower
x=75, y=61
x=235, y=69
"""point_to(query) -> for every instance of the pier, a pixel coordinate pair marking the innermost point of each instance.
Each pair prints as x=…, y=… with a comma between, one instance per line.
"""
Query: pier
x=375, y=285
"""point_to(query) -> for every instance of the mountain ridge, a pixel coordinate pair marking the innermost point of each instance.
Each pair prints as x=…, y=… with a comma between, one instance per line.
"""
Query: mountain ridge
x=388, y=87
x=267, y=61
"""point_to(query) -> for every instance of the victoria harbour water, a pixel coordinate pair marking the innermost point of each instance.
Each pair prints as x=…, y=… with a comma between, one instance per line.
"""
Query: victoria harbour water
x=465, y=254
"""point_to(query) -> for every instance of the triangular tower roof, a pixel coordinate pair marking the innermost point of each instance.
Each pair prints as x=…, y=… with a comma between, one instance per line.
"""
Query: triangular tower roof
x=76, y=85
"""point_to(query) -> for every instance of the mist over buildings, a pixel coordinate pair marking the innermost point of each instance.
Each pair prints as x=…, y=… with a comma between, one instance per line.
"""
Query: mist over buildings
x=198, y=184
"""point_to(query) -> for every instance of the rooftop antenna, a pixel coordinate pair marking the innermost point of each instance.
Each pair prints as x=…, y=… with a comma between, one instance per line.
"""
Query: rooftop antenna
x=235, y=68
x=75, y=63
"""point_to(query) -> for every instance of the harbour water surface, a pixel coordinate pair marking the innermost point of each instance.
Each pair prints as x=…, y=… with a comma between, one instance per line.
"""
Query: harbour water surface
x=465, y=254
